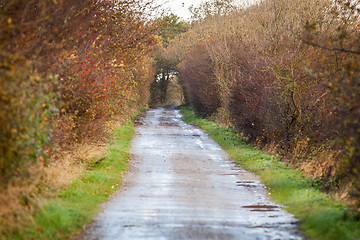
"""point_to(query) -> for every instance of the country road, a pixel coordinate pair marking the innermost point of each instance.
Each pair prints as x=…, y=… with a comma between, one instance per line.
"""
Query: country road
x=182, y=185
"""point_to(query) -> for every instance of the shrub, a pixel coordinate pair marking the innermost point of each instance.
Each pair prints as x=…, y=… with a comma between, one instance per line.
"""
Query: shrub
x=283, y=77
x=66, y=68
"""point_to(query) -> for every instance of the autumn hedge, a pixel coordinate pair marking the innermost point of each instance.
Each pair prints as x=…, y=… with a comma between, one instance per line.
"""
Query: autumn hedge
x=286, y=75
x=66, y=68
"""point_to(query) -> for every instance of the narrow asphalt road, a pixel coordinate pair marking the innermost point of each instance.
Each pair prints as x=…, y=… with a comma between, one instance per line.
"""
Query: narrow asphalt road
x=182, y=185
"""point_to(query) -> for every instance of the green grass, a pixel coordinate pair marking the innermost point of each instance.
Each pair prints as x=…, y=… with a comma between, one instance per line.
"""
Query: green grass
x=76, y=205
x=321, y=217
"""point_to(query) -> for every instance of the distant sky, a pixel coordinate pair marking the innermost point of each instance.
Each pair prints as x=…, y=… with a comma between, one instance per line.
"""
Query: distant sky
x=181, y=7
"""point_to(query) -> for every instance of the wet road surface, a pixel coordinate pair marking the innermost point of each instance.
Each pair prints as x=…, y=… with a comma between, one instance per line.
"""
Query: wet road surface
x=182, y=185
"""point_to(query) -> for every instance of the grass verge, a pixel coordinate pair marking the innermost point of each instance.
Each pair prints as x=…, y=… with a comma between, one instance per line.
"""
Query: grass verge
x=65, y=215
x=321, y=217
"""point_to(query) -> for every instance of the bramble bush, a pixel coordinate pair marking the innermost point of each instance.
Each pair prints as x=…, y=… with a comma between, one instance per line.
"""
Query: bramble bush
x=66, y=68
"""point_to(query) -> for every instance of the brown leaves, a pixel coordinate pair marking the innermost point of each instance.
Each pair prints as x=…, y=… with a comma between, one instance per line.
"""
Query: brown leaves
x=58, y=55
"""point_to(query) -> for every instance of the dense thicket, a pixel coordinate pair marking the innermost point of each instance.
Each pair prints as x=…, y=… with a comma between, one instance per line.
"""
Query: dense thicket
x=67, y=67
x=286, y=75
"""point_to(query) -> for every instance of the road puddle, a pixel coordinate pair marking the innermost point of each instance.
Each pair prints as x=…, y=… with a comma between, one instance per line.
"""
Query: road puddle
x=262, y=208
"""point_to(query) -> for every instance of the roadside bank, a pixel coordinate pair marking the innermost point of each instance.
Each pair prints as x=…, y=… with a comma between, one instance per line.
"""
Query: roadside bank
x=65, y=215
x=321, y=217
